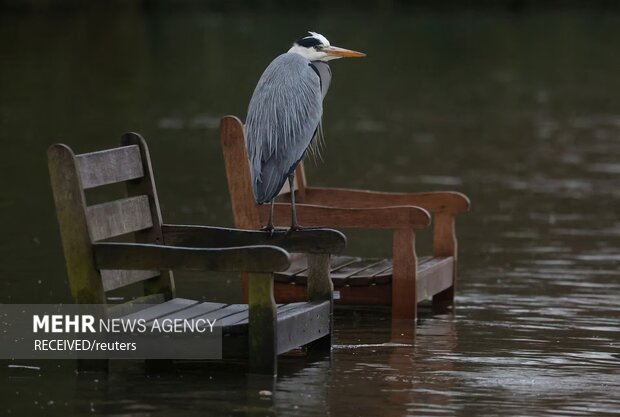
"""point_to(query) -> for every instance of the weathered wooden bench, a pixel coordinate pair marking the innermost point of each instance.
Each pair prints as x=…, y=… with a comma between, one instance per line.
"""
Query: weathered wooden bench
x=402, y=281
x=96, y=264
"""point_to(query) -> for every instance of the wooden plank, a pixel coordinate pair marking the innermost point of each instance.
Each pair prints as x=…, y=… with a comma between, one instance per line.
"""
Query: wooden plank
x=336, y=262
x=195, y=311
x=365, y=276
x=381, y=274
x=372, y=293
x=303, y=325
x=377, y=267
x=298, y=264
x=117, y=278
x=434, y=277
x=368, y=295
x=119, y=217
x=306, y=240
x=289, y=293
x=384, y=277
x=113, y=255
x=435, y=202
x=84, y=278
x=224, y=312
x=109, y=166
x=233, y=319
x=146, y=186
x=140, y=303
x=404, y=305
x=237, y=164
x=282, y=308
x=300, y=182
x=445, y=244
x=160, y=310
x=424, y=259
x=431, y=262
x=353, y=268
x=341, y=217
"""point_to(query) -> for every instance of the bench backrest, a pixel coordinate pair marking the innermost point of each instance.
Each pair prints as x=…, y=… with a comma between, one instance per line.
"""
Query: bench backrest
x=81, y=225
x=236, y=159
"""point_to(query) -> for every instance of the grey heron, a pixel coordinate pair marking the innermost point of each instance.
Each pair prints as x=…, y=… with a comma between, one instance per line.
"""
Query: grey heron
x=284, y=115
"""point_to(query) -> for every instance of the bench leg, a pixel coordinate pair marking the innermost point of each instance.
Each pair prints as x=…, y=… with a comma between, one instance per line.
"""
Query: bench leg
x=404, y=272
x=263, y=348
x=445, y=244
x=320, y=288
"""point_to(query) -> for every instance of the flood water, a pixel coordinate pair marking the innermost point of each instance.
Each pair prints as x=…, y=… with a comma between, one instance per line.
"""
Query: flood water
x=520, y=112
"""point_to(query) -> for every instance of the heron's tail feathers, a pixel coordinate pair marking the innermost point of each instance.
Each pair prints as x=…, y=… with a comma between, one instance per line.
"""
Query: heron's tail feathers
x=267, y=186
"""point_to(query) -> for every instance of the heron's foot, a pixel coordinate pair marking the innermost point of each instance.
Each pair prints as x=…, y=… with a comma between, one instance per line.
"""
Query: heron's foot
x=269, y=228
x=295, y=227
x=273, y=230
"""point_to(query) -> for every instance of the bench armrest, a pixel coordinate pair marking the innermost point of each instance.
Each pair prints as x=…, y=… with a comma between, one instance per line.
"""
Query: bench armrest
x=326, y=241
x=434, y=202
x=147, y=256
x=361, y=218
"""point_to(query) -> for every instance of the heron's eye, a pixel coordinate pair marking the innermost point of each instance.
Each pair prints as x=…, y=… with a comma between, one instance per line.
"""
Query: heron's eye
x=319, y=47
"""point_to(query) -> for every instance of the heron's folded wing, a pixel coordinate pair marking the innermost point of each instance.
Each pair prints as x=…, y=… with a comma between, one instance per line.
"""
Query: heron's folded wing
x=283, y=115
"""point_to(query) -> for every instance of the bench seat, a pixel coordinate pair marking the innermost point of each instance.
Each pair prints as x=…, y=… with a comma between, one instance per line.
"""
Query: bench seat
x=367, y=279
x=297, y=323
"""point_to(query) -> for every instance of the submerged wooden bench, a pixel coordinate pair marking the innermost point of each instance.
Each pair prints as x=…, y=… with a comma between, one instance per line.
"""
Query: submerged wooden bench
x=402, y=281
x=97, y=264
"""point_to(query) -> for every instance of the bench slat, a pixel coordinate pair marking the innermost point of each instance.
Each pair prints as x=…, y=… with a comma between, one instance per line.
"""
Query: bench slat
x=298, y=264
x=224, y=312
x=196, y=310
x=163, y=309
x=335, y=264
x=303, y=324
x=119, y=217
x=434, y=276
x=109, y=166
x=348, y=270
x=117, y=278
x=366, y=276
x=298, y=323
x=299, y=267
x=242, y=318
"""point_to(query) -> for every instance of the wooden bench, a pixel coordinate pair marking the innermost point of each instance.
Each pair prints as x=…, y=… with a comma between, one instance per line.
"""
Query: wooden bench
x=97, y=264
x=401, y=281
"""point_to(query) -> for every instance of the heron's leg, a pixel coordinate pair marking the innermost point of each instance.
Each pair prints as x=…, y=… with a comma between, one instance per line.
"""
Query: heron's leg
x=294, y=224
x=270, y=227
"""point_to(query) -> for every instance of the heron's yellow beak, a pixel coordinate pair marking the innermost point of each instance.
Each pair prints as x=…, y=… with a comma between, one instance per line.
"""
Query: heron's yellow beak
x=342, y=53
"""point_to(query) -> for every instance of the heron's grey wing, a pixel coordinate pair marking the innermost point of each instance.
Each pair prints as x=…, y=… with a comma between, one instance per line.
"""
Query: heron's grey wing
x=283, y=115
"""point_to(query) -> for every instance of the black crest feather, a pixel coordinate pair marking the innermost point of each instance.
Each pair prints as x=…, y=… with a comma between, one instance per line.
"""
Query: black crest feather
x=308, y=42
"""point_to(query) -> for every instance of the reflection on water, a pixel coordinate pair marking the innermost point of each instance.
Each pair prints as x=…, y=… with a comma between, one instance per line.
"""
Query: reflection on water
x=518, y=112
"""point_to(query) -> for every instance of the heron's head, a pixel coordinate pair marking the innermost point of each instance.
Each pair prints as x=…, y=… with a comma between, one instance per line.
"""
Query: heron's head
x=316, y=47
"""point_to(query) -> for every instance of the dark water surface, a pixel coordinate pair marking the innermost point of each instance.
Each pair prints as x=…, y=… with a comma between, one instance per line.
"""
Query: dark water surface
x=522, y=113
